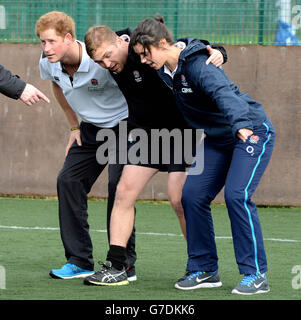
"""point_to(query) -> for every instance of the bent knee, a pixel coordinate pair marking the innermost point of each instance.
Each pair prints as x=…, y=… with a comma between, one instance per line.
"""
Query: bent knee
x=64, y=179
x=189, y=195
x=125, y=193
x=196, y=199
x=233, y=196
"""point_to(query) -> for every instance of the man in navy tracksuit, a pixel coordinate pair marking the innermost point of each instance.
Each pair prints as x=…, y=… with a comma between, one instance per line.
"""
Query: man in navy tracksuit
x=210, y=101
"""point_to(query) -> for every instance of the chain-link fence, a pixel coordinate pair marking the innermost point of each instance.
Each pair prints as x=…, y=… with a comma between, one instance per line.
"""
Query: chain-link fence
x=240, y=22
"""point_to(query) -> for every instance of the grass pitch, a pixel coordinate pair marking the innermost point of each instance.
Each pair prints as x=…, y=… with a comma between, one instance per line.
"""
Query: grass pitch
x=31, y=246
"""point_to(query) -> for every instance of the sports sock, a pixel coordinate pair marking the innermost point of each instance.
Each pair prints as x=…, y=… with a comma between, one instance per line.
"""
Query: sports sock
x=117, y=255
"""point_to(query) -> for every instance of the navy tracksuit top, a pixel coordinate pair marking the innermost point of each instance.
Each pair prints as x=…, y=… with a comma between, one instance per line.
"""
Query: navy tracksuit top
x=203, y=96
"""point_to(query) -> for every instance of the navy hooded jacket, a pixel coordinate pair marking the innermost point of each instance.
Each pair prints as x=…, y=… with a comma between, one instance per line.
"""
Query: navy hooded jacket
x=11, y=85
x=207, y=98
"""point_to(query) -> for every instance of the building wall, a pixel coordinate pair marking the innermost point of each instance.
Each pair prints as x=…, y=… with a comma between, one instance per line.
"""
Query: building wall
x=33, y=139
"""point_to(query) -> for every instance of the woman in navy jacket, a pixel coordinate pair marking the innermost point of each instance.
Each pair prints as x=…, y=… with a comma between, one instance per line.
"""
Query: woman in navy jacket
x=238, y=144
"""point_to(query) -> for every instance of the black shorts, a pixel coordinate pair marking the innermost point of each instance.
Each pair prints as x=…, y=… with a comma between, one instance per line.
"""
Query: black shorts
x=158, y=155
x=171, y=167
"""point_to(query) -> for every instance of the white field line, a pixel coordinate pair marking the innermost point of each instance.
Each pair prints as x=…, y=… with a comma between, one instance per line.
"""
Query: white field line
x=140, y=233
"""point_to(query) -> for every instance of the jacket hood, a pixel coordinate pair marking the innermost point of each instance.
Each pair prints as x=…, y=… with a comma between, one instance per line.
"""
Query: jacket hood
x=192, y=46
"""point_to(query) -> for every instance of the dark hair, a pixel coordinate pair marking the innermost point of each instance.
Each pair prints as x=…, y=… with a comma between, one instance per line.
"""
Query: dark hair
x=150, y=31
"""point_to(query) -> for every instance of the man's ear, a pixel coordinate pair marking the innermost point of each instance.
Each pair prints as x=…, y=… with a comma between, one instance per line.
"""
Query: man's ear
x=118, y=40
x=68, y=37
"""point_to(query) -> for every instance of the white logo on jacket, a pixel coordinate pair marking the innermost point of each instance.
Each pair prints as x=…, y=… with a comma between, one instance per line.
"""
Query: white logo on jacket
x=186, y=89
x=137, y=76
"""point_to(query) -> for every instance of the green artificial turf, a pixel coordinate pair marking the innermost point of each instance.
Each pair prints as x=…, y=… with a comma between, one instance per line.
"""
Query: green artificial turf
x=31, y=246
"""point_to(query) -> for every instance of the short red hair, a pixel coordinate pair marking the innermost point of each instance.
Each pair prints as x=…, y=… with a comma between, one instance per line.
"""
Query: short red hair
x=59, y=21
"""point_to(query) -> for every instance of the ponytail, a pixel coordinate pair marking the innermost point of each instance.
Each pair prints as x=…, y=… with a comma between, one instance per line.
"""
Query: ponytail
x=150, y=32
x=159, y=18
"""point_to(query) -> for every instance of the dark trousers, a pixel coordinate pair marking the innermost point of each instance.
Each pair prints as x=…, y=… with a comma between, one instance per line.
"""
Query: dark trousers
x=74, y=182
x=238, y=167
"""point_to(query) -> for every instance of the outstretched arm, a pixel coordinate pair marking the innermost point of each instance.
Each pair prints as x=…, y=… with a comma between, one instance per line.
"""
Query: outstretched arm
x=14, y=87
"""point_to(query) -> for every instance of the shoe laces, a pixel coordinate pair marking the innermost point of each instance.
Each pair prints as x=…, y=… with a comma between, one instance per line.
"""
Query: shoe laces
x=73, y=267
x=104, y=266
x=249, y=279
x=191, y=275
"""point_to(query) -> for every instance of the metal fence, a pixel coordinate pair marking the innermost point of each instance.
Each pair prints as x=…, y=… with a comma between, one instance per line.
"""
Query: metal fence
x=224, y=21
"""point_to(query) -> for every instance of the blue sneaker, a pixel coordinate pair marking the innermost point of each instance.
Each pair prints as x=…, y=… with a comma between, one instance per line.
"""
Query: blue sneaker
x=70, y=271
x=252, y=284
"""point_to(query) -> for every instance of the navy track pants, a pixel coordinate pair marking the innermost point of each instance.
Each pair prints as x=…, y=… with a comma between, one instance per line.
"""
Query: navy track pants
x=238, y=167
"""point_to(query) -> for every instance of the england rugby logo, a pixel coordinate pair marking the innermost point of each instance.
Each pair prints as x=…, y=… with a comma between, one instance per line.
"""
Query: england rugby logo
x=137, y=76
x=254, y=139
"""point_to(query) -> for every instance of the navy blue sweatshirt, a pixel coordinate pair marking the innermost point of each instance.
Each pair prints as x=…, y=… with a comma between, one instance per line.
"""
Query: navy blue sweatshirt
x=207, y=98
x=10, y=85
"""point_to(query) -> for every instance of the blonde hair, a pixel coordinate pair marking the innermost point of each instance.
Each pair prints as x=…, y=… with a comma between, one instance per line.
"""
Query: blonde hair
x=59, y=21
x=96, y=36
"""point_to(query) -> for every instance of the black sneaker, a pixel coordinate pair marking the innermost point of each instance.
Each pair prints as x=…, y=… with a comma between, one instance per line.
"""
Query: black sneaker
x=200, y=279
x=107, y=276
x=187, y=273
x=252, y=284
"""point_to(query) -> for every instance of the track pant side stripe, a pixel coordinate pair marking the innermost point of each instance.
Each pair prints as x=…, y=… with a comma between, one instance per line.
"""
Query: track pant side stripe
x=246, y=198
